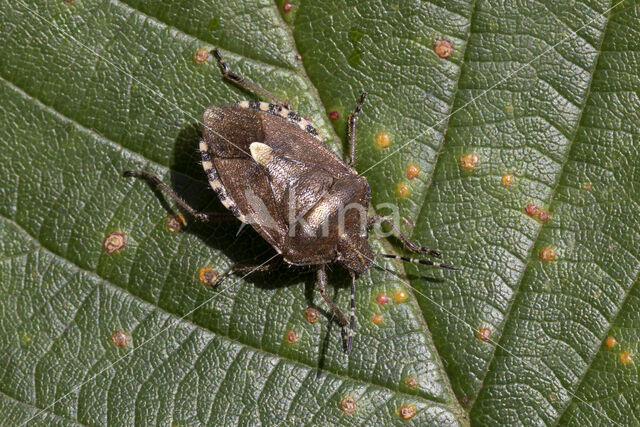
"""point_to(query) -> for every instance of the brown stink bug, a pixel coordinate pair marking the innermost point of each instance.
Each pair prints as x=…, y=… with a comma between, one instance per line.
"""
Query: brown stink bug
x=271, y=170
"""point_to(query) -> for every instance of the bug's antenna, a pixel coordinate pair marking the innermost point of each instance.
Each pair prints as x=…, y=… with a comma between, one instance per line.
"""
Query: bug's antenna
x=420, y=261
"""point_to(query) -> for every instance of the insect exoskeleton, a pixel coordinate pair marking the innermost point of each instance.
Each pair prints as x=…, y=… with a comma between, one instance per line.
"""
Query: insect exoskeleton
x=271, y=170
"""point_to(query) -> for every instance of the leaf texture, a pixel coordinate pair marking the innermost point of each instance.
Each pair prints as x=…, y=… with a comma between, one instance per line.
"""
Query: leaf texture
x=544, y=91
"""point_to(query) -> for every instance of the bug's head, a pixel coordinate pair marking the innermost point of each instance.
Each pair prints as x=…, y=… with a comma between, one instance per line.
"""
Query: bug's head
x=354, y=252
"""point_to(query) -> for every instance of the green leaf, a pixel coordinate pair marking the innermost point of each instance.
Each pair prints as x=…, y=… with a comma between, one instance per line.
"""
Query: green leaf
x=548, y=92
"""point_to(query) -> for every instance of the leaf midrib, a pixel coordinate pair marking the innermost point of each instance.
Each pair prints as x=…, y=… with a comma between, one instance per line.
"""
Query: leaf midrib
x=456, y=408
x=385, y=241
x=551, y=202
x=636, y=282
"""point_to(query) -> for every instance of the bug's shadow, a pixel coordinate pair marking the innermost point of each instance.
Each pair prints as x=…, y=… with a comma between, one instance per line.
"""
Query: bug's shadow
x=242, y=244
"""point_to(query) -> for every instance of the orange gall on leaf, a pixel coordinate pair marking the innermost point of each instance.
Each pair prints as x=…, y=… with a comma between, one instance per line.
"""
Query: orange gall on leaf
x=175, y=223
x=377, y=319
x=382, y=298
x=411, y=382
x=208, y=276
x=443, y=48
x=547, y=254
x=201, y=56
x=348, y=405
x=291, y=337
x=468, y=162
x=543, y=215
x=311, y=314
x=120, y=339
x=114, y=242
x=611, y=342
x=383, y=140
x=412, y=171
x=531, y=209
x=407, y=412
x=402, y=190
x=400, y=296
x=484, y=334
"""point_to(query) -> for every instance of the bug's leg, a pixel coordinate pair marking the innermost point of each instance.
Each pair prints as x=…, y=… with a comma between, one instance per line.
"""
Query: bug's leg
x=353, y=121
x=240, y=81
x=413, y=247
x=200, y=216
x=342, y=319
x=352, y=313
x=420, y=261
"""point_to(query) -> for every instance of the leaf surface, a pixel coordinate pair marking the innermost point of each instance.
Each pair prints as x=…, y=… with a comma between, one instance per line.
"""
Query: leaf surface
x=546, y=92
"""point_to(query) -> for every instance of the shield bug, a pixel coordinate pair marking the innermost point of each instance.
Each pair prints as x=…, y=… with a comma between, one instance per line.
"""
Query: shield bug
x=270, y=169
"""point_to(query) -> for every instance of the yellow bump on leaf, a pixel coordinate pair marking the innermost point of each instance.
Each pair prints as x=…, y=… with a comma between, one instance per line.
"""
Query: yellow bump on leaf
x=507, y=179
x=400, y=296
x=26, y=338
x=402, y=190
x=469, y=161
x=626, y=357
x=383, y=140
